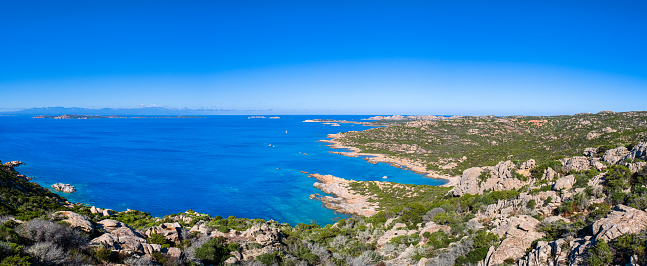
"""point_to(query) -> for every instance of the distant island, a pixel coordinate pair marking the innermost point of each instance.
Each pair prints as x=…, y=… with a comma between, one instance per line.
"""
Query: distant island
x=110, y=116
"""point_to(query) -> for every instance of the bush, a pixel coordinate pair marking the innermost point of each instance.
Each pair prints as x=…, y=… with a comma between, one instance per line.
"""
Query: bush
x=213, y=252
x=548, y=200
x=46, y=253
x=600, y=254
x=156, y=239
x=47, y=231
x=105, y=255
x=630, y=244
x=531, y=204
x=269, y=258
x=618, y=178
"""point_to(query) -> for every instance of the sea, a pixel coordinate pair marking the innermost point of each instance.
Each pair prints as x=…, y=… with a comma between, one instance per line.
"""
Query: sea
x=225, y=165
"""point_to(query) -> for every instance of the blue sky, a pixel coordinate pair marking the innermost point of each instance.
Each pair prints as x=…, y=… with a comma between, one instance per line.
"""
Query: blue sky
x=327, y=57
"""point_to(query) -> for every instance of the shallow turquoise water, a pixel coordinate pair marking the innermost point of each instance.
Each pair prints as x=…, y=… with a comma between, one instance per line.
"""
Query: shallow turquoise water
x=221, y=165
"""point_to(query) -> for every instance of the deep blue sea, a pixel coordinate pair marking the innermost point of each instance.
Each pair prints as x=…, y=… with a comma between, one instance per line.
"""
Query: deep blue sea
x=221, y=165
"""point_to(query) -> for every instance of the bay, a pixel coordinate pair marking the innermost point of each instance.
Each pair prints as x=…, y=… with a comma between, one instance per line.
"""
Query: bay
x=220, y=165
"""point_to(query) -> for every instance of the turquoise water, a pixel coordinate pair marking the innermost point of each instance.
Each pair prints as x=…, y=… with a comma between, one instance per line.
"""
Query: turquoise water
x=221, y=165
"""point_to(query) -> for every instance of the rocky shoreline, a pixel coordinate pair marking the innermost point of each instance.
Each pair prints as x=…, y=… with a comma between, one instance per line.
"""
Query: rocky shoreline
x=382, y=158
x=346, y=200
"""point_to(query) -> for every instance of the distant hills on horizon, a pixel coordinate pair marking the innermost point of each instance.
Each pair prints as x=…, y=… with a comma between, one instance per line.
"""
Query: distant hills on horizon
x=127, y=111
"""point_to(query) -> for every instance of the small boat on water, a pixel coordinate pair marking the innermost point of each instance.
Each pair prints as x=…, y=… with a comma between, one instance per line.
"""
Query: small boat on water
x=384, y=177
x=255, y=116
x=275, y=117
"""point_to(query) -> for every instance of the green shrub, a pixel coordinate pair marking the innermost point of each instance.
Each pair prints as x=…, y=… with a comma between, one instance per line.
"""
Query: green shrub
x=105, y=255
x=630, y=244
x=531, y=204
x=269, y=258
x=156, y=239
x=548, y=200
x=159, y=257
x=600, y=254
x=618, y=178
x=213, y=252
x=485, y=175
x=254, y=245
x=16, y=260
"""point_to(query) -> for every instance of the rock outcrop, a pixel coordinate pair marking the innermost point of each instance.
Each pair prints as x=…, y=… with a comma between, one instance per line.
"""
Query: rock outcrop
x=173, y=232
x=346, y=200
x=546, y=253
x=638, y=152
x=519, y=233
x=566, y=182
x=124, y=239
x=614, y=156
x=76, y=220
x=500, y=177
x=575, y=164
x=263, y=234
x=621, y=220
x=67, y=188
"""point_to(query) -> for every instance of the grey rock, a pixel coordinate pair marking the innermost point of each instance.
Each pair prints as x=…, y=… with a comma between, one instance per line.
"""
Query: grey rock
x=621, y=220
x=637, y=166
x=519, y=233
x=110, y=225
x=579, y=250
x=575, y=164
x=67, y=188
x=638, y=152
x=566, y=182
x=173, y=232
x=469, y=183
x=76, y=220
x=614, y=156
x=263, y=234
x=174, y=253
x=549, y=174
x=549, y=254
x=595, y=162
x=590, y=152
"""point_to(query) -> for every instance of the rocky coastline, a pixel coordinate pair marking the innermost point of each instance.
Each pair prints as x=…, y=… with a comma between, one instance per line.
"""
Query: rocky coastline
x=374, y=158
x=345, y=200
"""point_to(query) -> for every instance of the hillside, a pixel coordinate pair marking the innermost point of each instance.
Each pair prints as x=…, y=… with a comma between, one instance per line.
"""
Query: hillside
x=451, y=145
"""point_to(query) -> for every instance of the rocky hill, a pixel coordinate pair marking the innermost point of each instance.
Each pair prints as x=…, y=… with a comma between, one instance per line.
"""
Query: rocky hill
x=451, y=145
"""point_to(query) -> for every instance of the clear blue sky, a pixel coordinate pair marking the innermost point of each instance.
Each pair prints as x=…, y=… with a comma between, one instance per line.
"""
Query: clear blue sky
x=327, y=57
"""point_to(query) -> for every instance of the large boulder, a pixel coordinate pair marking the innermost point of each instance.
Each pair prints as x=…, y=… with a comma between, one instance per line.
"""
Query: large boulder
x=76, y=220
x=566, y=182
x=614, y=156
x=173, y=232
x=110, y=225
x=546, y=253
x=580, y=250
x=621, y=220
x=263, y=234
x=519, y=233
x=590, y=152
x=67, y=188
x=638, y=152
x=124, y=239
x=575, y=164
x=469, y=182
x=500, y=178
x=550, y=174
